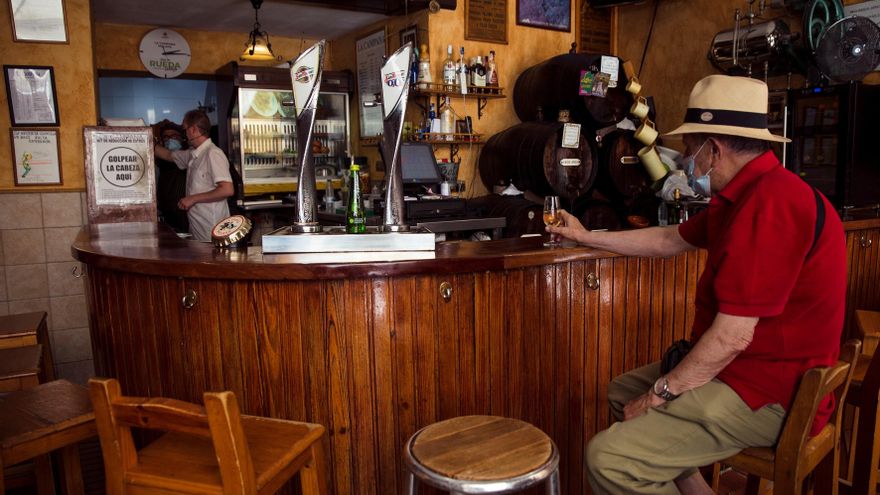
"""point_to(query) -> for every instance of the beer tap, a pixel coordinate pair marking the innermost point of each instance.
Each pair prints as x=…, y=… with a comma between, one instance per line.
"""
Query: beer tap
x=305, y=74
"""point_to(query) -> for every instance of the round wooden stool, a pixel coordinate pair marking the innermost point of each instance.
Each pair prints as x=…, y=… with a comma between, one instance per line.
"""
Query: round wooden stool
x=482, y=454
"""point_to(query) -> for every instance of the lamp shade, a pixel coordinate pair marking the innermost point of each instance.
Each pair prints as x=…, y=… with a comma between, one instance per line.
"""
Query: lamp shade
x=257, y=49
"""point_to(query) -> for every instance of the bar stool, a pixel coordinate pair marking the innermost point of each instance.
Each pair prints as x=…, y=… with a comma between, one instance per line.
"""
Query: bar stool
x=481, y=454
x=20, y=367
x=39, y=420
x=210, y=449
x=797, y=454
x=29, y=329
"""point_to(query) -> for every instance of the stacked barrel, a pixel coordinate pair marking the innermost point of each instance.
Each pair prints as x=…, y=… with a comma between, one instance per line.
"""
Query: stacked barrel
x=602, y=180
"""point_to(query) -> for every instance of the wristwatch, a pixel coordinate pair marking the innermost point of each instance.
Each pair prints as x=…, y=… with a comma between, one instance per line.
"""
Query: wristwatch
x=661, y=389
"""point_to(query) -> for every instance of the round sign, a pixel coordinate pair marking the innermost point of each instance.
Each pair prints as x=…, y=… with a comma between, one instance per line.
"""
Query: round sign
x=165, y=53
x=122, y=167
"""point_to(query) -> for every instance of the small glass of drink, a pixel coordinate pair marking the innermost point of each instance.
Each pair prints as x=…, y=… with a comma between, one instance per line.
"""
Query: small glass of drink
x=552, y=217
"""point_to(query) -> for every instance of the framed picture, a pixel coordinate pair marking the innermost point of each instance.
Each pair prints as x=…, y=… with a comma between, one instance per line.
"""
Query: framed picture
x=40, y=21
x=30, y=91
x=547, y=14
x=370, y=56
x=36, y=157
x=410, y=34
x=486, y=20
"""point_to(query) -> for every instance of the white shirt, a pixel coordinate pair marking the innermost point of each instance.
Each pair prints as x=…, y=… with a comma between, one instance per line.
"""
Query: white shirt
x=206, y=166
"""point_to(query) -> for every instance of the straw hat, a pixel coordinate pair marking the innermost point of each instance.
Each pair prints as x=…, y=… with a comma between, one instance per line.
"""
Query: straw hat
x=735, y=106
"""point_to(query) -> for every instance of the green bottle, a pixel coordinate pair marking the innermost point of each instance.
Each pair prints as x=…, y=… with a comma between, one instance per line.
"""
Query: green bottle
x=355, y=219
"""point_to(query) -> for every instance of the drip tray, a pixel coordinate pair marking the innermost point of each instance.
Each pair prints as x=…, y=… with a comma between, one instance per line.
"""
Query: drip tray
x=334, y=239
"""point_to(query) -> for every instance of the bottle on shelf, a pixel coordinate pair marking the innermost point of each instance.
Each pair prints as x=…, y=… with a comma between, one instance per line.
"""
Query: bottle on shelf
x=449, y=69
x=478, y=73
x=676, y=211
x=462, y=72
x=491, y=70
x=355, y=218
x=424, y=78
x=447, y=120
x=433, y=122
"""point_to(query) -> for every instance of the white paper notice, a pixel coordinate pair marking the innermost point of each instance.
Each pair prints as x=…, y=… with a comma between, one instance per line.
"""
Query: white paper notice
x=39, y=20
x=370, y=52
x=121, y=174
x=571, y=135
x=610, y=66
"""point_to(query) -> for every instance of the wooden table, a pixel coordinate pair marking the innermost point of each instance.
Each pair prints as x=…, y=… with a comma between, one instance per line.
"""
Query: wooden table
x=48, y=417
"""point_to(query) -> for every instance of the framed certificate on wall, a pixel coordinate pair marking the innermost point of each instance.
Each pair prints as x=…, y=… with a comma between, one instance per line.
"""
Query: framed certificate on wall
x=30, y=92
x=38, y=21
x=36, y=157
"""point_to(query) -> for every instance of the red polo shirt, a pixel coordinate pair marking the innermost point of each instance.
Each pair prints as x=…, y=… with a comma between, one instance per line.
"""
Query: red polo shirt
x=758, y=231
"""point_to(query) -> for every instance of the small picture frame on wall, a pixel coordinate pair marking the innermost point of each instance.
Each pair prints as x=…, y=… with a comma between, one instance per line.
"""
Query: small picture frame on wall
x=36, y=157
x=30, y=91
x=547, y=14
x=40, y=21
x=410, y=34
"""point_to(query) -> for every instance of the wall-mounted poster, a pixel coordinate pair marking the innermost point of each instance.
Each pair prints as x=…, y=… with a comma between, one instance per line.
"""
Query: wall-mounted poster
x=370, y=57
x=36, y=157
x=31, y=95
x=38, y=20
x=548, y=14
x=486, y=20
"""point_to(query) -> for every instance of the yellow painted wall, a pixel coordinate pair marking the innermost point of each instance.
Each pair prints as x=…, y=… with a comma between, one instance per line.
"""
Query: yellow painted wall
x=526, y=46
x=74, y=82
x=676, y=57
x=117, y=47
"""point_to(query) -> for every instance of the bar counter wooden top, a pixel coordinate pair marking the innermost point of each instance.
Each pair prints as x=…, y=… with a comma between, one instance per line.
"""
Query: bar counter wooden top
x=154, y=249
x=375, y=351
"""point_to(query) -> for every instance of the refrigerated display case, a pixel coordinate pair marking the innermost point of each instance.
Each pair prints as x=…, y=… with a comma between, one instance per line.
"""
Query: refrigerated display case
x=833, y=139
x=259, y=133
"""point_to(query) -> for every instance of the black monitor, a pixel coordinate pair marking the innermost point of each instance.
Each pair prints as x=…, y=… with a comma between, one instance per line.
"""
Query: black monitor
x=418, y=164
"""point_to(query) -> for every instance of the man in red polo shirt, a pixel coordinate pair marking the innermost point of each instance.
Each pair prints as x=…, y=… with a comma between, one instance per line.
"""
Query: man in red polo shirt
x=769, y=304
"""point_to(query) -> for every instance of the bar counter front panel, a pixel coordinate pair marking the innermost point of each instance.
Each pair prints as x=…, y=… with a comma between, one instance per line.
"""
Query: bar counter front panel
x=375, y=352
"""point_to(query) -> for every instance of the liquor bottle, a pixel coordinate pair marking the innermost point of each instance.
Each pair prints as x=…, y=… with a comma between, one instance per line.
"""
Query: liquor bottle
x=414, y=68
x=676, y=209
x=449, y=68
x=432, y=116
x=491, y=70
x=462, y=72
x=479, y=73
x=447, y=120
x=355, y=219
x=424, y=68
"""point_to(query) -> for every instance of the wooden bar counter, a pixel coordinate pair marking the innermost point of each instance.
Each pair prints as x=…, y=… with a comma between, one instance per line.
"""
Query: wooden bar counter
x=375, y=351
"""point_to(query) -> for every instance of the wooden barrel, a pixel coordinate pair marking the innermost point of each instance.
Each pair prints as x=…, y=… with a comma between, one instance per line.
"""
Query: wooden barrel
x=530, y=155
x=621, y=176
x=523, y=216
x=596, y=214
x=554, y=84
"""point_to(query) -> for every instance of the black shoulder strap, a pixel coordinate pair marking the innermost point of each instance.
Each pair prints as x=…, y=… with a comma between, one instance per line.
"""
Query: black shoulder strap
x=820, y=220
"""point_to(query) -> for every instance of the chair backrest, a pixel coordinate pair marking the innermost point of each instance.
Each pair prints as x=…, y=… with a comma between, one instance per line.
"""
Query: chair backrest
x=814, y=386
x=219, y=420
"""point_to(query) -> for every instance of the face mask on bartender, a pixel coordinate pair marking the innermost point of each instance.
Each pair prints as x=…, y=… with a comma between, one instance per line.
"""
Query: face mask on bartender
x=173, y=143
x=701, y=185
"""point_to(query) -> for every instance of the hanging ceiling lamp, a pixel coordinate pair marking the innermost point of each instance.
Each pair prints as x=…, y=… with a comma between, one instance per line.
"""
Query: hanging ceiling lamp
x=258, y=46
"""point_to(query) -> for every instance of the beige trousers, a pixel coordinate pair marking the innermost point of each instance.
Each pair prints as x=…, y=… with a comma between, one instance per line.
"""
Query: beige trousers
x=648, y=453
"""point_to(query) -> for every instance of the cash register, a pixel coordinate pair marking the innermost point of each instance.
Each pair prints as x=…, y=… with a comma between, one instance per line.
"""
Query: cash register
x=421, y=181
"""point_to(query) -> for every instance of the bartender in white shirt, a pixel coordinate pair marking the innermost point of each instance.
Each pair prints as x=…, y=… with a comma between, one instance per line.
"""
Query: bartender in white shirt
x=208, y=182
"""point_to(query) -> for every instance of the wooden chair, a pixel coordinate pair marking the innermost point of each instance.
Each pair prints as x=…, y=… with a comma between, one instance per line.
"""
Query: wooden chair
x=864, y=394
x=39, y=420
x=28, y=329
x=210, y=449
x=20, y=367
x=797, y=454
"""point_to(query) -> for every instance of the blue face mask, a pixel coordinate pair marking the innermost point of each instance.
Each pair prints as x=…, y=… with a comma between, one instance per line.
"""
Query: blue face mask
x=702, y=184
x=173, y=144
